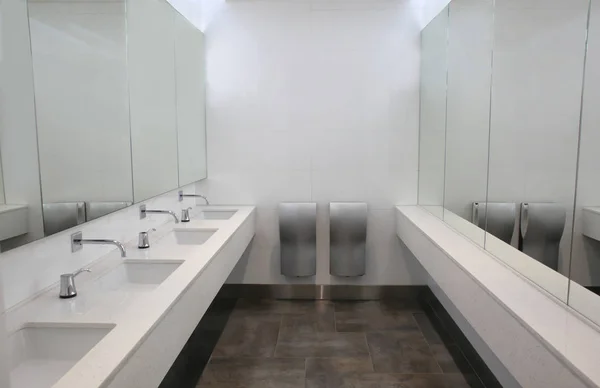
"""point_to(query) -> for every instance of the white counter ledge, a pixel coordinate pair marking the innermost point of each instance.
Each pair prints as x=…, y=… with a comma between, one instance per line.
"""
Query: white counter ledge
x=515, y=318
x=147, y=328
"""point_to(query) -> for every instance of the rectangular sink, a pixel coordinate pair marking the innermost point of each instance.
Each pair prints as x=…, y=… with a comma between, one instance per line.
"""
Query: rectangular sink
x=137, y=276
x=41, y=355
x=188, y=237
x=216, y=214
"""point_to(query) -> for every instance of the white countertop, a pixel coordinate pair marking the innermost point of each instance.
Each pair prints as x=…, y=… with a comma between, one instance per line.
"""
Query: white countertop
x=569, y=335
x=133, y=314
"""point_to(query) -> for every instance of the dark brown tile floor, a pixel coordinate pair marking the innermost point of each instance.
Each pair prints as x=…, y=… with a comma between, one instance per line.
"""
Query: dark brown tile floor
x=289, y=344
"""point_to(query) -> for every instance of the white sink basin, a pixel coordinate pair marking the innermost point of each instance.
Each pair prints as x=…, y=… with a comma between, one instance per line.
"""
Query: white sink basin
x=187, y=237
x=136, y=276
x=216, y=214
x=41, y=355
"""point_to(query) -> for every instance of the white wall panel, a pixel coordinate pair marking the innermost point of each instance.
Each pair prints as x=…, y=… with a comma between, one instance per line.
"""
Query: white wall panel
x=315, y=101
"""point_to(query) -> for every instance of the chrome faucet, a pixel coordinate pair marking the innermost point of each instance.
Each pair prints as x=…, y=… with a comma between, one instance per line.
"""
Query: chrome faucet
x=77, y=242
x=144, y=212
x=185, y=214
x=181, y=196
x=67, y=284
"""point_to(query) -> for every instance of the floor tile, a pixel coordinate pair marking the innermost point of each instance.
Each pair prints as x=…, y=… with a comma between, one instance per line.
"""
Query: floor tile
x=322, y=345
x=319, y=319
x=451, y=359
x=383, y=306
x=282, y=307
x=249, y=336
x=294, y=344
x=331, y=372
x=386, y=380
x=346, y=322
x=373, y=316
x=401, y=352
x=434, y=333
x=254, y=373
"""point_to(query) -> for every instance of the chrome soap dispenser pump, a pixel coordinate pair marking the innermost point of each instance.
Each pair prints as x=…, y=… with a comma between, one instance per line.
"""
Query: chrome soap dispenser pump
x=144, y=240
x=185, y=214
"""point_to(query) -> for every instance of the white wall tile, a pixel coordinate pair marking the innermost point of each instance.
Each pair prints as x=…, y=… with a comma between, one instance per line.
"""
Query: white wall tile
x=379, y=188
x=260, y=150
x=265, y=189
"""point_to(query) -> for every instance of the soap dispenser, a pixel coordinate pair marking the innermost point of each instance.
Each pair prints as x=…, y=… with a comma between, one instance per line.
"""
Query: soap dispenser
x=143, y=240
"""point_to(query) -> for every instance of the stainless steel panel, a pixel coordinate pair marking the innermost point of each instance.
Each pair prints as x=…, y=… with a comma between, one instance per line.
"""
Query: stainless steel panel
x=497, y=218
x=95, y=210
x=542, y=228
x=61, y=216
x=320, y=292
x=348, y=238
x=298, y=236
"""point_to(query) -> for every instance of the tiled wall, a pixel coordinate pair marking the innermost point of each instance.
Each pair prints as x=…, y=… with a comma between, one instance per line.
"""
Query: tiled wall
x=27, y=270
x=315, y=101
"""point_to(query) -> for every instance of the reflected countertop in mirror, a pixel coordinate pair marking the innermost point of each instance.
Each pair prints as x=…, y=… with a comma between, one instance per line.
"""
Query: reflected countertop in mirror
x=108, y=101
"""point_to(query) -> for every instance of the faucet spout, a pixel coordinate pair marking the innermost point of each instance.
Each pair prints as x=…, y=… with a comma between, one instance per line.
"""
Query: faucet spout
x=77, y=242
x=182, y=195
x=144, y=212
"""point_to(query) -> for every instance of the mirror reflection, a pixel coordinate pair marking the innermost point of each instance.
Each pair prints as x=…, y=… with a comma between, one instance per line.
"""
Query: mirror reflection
x=432, y=136
x=102, y=107
x=536, y=105
x=151, y=33
x=518, y=142
x=470, y=41
x=585, y=257
x=79, y=53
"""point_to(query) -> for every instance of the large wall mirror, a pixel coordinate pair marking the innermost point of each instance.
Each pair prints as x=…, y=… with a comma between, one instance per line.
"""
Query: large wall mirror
x=585, y=256
x=517, y=136
x=108, y=96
